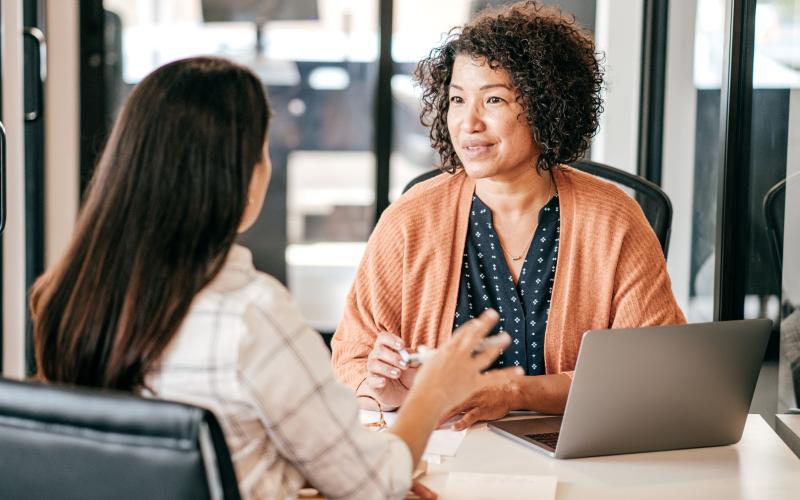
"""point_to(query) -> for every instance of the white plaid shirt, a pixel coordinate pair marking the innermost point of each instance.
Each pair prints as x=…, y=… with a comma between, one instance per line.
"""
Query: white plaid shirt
x=244, y=352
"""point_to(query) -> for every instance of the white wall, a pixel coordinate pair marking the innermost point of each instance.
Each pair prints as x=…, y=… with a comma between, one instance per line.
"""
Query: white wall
x=680, y=104
x=62, y=126
x=14, y=235
x=618, y=33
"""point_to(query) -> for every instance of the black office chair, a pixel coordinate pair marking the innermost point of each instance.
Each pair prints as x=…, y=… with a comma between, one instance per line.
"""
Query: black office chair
x=71, y=443
x=653, y=200
x=774, y=208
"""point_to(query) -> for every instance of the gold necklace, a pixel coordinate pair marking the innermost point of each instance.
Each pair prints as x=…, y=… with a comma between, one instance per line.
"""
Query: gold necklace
x=518, y=257
x=515, y=258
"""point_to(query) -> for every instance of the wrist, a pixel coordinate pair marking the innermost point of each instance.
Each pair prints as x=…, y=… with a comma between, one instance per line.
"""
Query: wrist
x=515, y=394
x=433, y=399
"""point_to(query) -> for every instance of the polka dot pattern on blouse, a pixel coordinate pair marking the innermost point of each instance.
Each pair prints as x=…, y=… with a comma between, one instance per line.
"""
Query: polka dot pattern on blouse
x=486, y=282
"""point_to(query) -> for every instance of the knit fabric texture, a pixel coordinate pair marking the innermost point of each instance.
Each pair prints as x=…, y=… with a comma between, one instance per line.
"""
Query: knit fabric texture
x=611, y=272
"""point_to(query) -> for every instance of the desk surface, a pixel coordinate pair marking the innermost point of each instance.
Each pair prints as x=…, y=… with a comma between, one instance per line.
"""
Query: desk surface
x=788, y=428
x=760, y=466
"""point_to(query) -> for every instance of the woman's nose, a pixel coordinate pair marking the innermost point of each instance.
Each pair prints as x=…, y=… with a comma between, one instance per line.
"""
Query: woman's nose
x=472, y=120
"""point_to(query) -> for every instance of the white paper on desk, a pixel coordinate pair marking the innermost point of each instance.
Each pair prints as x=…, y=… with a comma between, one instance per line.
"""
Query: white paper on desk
x=443, y=442
x=477, y=486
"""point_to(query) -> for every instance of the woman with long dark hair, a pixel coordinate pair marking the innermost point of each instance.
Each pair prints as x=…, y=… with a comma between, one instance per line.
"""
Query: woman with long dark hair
x=153, y=297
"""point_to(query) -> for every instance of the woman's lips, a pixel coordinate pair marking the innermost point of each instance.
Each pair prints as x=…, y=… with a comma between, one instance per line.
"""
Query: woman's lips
x=476, y=149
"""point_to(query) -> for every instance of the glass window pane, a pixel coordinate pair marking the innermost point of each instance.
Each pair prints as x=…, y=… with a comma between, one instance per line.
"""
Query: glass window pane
x=773, y=286
x=318, y=61
x=691, y=152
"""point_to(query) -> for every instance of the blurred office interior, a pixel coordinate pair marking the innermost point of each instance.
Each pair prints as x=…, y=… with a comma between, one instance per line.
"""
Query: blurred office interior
x=682, y=109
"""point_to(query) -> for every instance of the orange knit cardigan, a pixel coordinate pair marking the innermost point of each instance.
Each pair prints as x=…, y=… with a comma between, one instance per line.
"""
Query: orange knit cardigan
x=610, y=272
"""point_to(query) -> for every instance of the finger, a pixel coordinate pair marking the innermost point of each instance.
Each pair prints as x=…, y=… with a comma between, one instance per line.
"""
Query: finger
x=485, y=358
x=423, y=491
x=466, y=405
x=390, y=340
x=468, y=419
x=390, y=358
x=470, y=333
x=376, y=367
x=376, y=381
x=450, y=414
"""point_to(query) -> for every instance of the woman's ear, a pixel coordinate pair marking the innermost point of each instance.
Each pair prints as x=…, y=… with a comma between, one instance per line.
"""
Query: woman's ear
x=259, y=182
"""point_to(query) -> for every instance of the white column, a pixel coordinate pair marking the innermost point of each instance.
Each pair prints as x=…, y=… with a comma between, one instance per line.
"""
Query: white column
x=62, y=125
x=618, y=33
x=14, y=293
x=680, y=105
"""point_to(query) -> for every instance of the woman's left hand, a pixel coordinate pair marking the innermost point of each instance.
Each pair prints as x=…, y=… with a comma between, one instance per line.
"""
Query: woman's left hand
x=488, y=403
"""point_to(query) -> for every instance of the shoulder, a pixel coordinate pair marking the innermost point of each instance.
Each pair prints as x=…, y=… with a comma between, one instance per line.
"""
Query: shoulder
x=269, y=303
x=593, y=198
x=242, y=293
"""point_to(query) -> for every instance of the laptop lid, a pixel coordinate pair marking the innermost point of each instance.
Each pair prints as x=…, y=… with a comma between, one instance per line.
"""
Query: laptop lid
x=662, y=388
x=653, y=389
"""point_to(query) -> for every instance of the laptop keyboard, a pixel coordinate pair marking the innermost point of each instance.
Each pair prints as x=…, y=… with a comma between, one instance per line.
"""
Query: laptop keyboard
x=548, y=438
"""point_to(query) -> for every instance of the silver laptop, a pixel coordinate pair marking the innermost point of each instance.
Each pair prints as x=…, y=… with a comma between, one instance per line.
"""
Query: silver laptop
x=653, y=389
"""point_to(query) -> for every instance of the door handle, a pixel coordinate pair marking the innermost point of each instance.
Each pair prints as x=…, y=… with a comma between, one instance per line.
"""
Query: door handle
x=40, y=66
x=2, y=178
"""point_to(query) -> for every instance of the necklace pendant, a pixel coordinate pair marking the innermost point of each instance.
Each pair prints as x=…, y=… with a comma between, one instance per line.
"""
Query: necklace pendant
x=516, y=258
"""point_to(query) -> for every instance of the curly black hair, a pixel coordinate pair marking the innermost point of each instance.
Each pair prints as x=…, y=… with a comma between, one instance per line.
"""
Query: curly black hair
x=552, y=64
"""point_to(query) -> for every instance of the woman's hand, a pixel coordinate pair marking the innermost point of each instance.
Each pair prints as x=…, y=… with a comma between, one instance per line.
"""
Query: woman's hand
x=388, y=376
x=455, y=371
x=490, y=402
x=448, y=377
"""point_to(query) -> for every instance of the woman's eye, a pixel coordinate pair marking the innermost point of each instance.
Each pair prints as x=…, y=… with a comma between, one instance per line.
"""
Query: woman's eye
x=456, y=99
x=494, y=100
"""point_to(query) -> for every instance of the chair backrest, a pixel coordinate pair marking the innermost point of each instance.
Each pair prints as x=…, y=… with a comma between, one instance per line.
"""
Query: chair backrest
x=774, y=209
x=75, y=443
x=653, y=200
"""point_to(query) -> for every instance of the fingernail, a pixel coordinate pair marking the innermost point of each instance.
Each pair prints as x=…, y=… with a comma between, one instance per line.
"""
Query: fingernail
x=394, y=372
x=519, y=371
x=398, y=344
x=492, y=314
x=403, y=363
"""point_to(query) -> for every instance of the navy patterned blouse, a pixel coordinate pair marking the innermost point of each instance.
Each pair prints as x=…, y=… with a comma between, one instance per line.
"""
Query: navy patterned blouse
x=486, y=282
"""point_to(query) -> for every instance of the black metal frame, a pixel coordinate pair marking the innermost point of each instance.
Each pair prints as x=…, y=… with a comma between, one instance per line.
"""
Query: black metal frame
x=94, y=124
x=653, y=83
x=383, y=109
x=34, y=62
x=736, y=103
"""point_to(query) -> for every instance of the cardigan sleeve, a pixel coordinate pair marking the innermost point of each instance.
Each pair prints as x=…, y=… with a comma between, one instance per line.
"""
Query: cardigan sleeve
x=642, y=288
x=374, y=303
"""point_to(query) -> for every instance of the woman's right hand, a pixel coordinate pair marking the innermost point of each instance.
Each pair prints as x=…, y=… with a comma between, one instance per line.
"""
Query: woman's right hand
x=456, y=370
x=448, y=377
x=388, y=376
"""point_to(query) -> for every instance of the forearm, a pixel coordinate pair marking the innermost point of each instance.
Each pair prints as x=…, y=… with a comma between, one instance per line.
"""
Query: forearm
x=417, y=419
x=542, y=393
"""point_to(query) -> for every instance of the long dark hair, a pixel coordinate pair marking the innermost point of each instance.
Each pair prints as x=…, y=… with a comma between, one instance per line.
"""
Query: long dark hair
x=159, y=218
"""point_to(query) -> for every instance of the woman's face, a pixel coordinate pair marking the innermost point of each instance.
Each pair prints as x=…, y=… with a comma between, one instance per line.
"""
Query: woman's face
x=259, y=183
x=487, y=126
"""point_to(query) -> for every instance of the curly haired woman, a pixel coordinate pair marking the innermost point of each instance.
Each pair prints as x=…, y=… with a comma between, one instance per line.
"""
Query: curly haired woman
x=510, y=98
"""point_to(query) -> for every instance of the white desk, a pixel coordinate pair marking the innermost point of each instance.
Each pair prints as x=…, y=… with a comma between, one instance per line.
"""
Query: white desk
x=760, y=466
